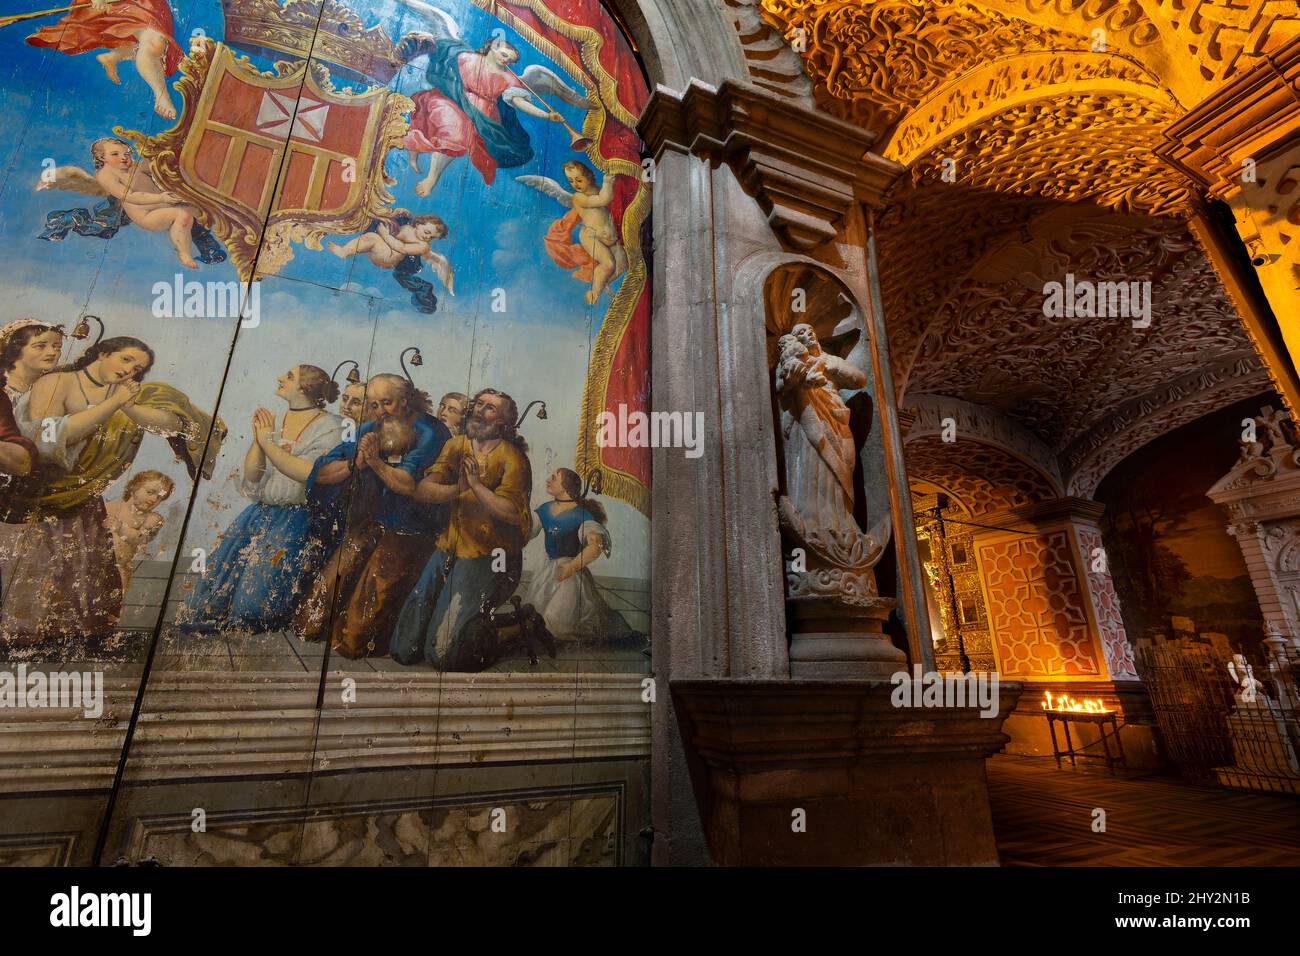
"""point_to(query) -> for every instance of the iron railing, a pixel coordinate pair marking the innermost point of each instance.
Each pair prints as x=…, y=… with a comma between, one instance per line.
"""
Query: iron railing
x=1222, y=729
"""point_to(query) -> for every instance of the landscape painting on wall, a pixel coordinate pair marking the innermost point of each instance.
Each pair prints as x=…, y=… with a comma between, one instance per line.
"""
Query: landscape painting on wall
x=1177, y=569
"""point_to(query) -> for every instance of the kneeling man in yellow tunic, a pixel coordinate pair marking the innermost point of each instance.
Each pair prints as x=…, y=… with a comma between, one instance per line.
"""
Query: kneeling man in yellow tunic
x=486, y=476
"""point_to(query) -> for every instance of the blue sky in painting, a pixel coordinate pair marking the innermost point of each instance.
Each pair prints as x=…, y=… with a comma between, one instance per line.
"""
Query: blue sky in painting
x=56, y=105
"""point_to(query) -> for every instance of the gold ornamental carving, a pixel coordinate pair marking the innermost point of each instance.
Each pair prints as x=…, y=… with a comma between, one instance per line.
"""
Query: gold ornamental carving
x=1060, y=98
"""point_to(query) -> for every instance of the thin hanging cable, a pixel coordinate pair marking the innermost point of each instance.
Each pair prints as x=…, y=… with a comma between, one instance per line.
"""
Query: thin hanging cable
x=101, y=840
x=975, y=524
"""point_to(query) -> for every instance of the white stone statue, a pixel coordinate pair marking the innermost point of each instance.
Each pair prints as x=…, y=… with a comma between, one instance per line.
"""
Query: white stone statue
x=819, y=450
x=1261, y=740
x=1250, y=692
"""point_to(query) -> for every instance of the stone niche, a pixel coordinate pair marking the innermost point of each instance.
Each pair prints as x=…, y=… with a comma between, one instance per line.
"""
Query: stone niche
x=833, y=502
x=875, y=783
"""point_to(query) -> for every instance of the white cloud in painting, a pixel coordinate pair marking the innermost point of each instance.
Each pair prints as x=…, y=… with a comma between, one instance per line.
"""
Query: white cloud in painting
x=512, y=238
x=358, y=288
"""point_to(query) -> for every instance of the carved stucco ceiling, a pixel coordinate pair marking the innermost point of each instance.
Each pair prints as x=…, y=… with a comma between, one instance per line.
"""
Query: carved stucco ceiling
x=873, y=62
x=930, y=237
x=878, y=58
x=923, y=502
x=989, y=341
x=980, y=478
x=923, y=492
x=963, y=276
x=1080, y=146
x=1026, y=96
x=1028, y=130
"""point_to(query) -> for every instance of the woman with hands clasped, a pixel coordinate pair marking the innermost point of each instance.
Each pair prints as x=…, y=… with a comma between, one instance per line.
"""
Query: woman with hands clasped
x=266, y=559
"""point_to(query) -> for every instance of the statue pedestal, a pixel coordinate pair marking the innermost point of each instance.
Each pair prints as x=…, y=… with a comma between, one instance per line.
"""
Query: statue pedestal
x=830, y=773
x=1260, y=743
x=830, y=639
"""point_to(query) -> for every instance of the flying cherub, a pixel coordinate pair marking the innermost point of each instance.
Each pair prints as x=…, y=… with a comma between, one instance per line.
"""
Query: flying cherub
x=403, y=252
x=120, y=177
x=598, y=257
x=133, y=521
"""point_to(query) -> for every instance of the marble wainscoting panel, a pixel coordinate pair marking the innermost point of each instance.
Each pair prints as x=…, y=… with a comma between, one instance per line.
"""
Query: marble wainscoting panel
x=222, y=724
x=38, y=849
x=50, y=829
x=57, y=748
x=540, y=829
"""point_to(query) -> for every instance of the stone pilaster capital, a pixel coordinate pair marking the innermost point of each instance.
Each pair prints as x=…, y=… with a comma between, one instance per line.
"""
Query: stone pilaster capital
x=1048, y=514
x=805, y=168
x=1245, y=529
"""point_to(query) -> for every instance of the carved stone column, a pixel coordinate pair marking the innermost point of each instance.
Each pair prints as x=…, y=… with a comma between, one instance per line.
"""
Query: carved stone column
x=1261, y=495
x=717, y=585
x=808, y=174
x=748, y=184
x=1260, y=553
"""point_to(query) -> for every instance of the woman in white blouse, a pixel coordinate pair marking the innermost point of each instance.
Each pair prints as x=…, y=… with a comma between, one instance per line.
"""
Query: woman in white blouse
x=269, y=555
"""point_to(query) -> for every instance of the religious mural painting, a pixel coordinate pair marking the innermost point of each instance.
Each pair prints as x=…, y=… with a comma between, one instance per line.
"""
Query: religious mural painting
x=314, y=307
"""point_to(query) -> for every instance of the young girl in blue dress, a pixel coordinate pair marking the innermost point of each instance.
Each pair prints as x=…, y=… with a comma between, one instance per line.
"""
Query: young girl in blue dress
x=267, y=558
x=563, y=591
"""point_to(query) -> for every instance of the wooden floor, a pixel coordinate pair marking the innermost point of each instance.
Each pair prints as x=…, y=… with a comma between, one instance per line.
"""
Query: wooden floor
x=1044, y=817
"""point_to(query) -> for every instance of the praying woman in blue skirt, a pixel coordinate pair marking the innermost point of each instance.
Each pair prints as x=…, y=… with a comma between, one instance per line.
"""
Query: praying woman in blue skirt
x=266, y=560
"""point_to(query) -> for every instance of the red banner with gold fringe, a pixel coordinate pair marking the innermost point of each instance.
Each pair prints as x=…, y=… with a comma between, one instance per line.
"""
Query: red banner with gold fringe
x=582, y=37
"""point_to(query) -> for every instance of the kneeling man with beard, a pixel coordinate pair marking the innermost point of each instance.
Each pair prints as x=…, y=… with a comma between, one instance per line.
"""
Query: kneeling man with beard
x=485, y=476
x=390, y=533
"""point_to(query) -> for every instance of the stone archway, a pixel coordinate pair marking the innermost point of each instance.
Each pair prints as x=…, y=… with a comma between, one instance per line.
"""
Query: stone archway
x=1089, y=390
x=1019, y=577
x=1042, y=125
x=1143, y=110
